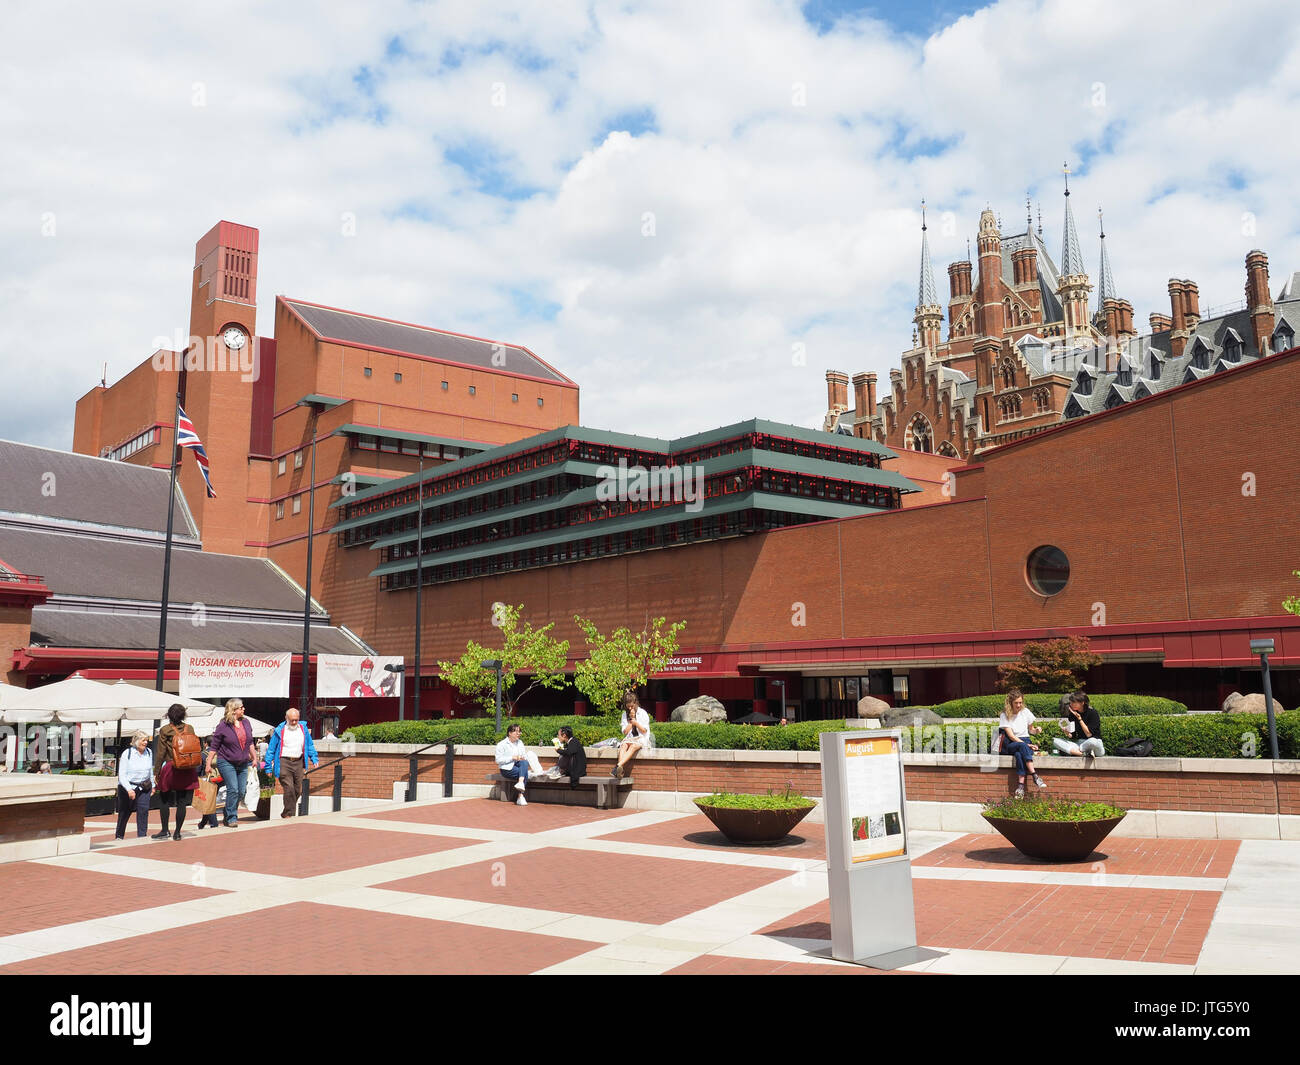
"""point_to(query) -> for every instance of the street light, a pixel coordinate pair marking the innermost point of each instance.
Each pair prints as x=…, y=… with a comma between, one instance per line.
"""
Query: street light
x=1264, y=648
x=401, y=694
x=494, y=664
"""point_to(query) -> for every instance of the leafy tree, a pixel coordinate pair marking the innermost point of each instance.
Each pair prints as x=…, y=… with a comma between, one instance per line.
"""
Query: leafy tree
x=1049, y=666
x=522, y=650
x=622, y=660
x=1291, y=604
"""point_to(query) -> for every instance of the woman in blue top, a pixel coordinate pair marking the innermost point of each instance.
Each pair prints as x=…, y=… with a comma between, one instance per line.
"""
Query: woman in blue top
x=134, y=786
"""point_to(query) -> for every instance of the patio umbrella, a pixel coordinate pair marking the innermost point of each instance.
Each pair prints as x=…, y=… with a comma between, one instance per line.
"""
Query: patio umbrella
x=76, y=694
x=755, y=718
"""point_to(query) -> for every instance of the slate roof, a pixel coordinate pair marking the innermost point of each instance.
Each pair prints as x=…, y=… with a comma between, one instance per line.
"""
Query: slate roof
x=361, y=330
x=88, y=628
x=91, y=491
x=104, y=567
x=1048, y=276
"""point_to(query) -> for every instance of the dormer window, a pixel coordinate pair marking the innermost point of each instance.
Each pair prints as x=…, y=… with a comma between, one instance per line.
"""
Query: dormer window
x=1200, y=354
x=1283, y=337
x=1124, y=373
x=1083, y=383
x=1154, y=366
x=1114, y=400
x=1232, y=346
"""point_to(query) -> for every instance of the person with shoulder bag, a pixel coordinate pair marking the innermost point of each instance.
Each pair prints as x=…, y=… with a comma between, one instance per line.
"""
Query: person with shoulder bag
x=232, y=742
x=176, y=761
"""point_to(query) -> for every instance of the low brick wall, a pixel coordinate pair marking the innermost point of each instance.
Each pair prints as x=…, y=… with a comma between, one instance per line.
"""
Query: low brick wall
x=1246, y=786
x=41, y=820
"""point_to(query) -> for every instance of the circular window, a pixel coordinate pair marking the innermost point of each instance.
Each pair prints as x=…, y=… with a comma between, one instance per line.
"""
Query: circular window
x=1047, y=569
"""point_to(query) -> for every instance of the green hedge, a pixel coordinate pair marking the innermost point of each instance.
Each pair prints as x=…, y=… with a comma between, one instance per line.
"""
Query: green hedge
x=1187, y=736
x=1049, y=706
x=1173, y=736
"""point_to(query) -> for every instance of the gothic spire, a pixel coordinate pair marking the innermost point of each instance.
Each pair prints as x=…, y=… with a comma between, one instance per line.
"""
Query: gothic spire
x=1106, y=282
x=926, y=294
x=1071, y=253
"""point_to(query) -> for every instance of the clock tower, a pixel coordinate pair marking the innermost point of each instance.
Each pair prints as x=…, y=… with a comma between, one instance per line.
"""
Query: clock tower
x=217, y=382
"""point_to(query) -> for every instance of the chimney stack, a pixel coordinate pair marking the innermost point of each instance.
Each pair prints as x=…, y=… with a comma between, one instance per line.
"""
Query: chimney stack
x=1259, y=301
x=837, y=390
x=1160, y=323
x=1191, y=303
x=1124, y=319
x=1178, y=328
x=871, y=394
x=959, y=283
x=860, y=395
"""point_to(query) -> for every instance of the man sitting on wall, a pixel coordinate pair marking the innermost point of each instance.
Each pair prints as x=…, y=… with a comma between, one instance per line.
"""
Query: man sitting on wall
x=512, y=760
x=1083, y=723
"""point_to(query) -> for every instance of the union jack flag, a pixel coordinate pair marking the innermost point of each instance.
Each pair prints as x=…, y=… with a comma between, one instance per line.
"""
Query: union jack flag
x=187, y=437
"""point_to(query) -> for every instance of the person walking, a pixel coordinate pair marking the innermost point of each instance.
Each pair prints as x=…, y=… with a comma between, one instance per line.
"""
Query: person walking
x=176, y=761
x=512, y=760
x=134, y=786
x=232, y=742
x=209, y=768
x=291, y=745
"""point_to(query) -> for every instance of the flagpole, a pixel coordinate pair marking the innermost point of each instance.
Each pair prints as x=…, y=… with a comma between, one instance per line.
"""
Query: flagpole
x=167, y=551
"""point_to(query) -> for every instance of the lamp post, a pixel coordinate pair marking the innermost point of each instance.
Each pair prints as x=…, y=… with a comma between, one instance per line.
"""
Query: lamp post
x=1264, y=648
x=401, y=694
x=494, y=664
x=419, y=586
x=311, y=528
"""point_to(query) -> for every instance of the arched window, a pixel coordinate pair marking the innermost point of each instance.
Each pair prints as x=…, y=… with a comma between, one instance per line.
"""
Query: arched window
x=1008, y=373
x=1015, y=406
x=1041, y=401
x=948, y=451
x=920, y=437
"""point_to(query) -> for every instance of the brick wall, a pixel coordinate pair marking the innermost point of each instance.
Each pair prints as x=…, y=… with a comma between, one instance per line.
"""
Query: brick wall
x=41, y=820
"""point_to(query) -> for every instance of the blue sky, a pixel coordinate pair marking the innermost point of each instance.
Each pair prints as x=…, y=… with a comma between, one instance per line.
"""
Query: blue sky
x=692, y=210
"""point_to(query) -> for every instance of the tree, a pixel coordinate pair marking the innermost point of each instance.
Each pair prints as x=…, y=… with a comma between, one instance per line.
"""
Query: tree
x=523, y=650
x=622, y=660
x=1049, y=666
x=1291, y=604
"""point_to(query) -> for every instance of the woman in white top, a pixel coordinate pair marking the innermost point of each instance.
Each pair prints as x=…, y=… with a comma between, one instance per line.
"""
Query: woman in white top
x=635, y=726
x=1015, y=725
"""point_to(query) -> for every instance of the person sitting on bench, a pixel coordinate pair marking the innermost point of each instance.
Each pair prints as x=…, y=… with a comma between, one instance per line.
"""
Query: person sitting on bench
x=572, y=762
x=1083, y=723
x=635, y=727
x=512, y=760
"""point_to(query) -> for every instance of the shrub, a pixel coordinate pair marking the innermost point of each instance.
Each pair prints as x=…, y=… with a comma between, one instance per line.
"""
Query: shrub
x=1054, y=809
x=734, y=801
x=481, y=731
x=1044, y=706
x=1049, y=665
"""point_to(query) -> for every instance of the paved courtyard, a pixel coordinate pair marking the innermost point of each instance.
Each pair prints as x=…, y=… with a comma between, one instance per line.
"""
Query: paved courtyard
x=477, y=886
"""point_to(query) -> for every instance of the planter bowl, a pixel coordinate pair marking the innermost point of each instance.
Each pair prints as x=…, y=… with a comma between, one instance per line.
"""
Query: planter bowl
x=1054, y=841
x=754, y=826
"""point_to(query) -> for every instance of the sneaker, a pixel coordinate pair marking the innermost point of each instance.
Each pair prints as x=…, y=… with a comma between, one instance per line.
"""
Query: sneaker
x=176, y=834
x=1020, y=792
x=164, y=834
x=521, y=801
x=1038, y=783
x=519, y=784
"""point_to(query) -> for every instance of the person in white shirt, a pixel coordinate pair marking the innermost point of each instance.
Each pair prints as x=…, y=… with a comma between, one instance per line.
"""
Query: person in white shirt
x=512, y=760
x=635, y=726
x=135, y=782
x=1015, y=726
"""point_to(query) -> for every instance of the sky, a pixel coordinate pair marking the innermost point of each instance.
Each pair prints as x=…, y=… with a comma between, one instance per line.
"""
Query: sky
x=693, y=210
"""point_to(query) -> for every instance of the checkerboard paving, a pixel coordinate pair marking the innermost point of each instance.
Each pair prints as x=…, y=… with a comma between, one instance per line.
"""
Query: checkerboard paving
x=480, y=886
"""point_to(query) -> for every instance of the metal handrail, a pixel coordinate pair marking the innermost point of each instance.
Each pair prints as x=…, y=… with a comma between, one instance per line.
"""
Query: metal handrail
x=448, y=770
x=304, y=798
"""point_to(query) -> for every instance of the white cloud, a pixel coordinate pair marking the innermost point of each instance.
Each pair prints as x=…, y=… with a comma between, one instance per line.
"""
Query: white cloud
x=774, y=223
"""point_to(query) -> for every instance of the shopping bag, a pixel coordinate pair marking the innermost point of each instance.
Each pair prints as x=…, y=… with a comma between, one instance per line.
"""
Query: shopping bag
x=205, y=796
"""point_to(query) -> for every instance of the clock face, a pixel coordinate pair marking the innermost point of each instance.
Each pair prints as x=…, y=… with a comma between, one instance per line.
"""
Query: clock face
x=234, y=337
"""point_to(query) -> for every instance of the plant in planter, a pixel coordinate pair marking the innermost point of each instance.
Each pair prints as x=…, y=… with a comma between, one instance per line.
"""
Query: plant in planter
x=1058, y=830
x=755, y=818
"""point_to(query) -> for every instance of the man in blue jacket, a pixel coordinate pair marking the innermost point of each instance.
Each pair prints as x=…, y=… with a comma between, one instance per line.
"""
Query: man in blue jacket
x=291, y=745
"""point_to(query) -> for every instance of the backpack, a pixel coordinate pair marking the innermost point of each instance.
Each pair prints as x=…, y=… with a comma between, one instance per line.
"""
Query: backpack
x=185, y=750
x=1134, y=748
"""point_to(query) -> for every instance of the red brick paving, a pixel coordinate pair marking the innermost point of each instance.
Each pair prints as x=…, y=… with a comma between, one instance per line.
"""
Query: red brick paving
x=43, y=896
x=498, y=815
x=316, y=938
x=1122, y=856
x=300, y=849
x=623, y=886
x=806, y=841
x=1128, y=924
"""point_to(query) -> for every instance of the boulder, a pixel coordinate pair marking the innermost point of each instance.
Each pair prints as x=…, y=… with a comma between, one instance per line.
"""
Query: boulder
x=702, y=710
x=1236, y=703
x=870, y=706
x=907, y=716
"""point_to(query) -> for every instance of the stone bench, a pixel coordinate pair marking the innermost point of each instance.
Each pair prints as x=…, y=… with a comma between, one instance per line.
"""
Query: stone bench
x=603, y=792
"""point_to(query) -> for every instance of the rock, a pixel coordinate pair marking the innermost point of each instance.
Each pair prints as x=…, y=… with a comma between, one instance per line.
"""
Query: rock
x=702, y=710
x=1236, y=703
x=870, y=706
x=907, y=716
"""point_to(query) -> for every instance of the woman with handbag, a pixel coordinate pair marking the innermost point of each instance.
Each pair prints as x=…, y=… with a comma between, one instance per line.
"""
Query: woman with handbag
x=176, y=766
x=134, y=786
x=210, y=774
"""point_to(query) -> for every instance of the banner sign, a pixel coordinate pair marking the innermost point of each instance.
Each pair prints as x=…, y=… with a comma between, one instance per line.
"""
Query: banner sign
x=227, y=675
x=357, y=677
